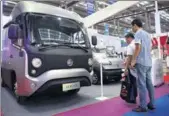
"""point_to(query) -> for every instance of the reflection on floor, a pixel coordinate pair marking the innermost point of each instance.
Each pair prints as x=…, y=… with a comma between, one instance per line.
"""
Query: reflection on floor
x=112, y=107
x=49, y=105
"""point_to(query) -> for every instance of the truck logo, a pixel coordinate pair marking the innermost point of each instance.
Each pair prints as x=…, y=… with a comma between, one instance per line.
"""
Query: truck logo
x=70, y=62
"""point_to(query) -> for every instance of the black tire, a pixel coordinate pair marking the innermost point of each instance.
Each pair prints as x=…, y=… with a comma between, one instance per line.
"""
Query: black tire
x=96, y=78
x=106, y=81
x=3, y=84
x=2, y=81
x=73, y=92
x=21, y=99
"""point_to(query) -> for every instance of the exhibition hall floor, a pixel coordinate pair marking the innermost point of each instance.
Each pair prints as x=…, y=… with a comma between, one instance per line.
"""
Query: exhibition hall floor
x=50, y=105
x=83, y=104
x=117, y=107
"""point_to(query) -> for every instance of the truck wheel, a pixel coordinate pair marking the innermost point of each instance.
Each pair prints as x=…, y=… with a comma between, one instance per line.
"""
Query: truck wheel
x=106, y=81
x=2, y=81
x=3, y=84
x=95, y=78
x=21, y=99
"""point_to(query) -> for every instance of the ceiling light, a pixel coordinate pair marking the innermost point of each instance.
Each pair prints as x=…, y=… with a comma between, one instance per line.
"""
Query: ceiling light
x=102, y=3
x=6, y=4
x=144, y=2
x=59, y=18
x=138, y=5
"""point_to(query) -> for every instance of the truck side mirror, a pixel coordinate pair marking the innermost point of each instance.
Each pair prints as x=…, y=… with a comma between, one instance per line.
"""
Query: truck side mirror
x=13, y=32
x=94, y=40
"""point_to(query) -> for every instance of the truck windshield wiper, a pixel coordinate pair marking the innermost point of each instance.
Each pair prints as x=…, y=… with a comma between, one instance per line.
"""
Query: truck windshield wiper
x=47, y=46
x=44, y=47
x=77, y=46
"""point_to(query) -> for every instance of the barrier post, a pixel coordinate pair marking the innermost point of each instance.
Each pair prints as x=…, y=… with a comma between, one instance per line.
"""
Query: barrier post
x=101, y=86
x=101, y=79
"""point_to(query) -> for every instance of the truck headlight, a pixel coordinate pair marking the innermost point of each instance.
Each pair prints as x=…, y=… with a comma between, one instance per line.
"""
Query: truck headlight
x=36, y=62
x=90, y=62
x=123, y=70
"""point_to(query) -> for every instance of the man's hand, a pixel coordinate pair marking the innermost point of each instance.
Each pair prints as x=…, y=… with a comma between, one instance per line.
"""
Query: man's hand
x=133, y=63
x=125, y=72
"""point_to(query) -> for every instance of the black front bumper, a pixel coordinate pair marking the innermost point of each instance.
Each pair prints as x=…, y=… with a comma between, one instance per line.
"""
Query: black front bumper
x=112, y=74
x=56, y=85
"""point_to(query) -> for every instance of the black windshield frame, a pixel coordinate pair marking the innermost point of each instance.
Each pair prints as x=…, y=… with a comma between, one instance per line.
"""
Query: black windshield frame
x=32, y=38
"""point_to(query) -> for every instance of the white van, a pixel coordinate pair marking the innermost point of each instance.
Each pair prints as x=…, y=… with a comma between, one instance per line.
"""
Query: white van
x=112, y=64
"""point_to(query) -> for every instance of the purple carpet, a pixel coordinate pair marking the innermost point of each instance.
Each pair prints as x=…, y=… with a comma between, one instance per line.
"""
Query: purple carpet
x=111, y=107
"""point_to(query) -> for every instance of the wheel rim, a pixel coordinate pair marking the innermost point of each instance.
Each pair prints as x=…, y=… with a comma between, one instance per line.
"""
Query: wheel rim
x=95, y=78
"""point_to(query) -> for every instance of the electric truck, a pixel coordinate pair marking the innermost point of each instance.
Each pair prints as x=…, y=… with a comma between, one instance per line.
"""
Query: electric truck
x=44, y=48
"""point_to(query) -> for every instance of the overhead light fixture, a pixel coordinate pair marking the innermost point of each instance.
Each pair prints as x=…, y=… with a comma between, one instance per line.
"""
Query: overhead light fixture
x=59, y=18
x=104, y=3
x=5, y=3
x=144, y=3
x=138, y=5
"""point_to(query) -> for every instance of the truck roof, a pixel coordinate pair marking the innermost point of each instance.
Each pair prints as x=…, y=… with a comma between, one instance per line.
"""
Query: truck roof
x=35, y=7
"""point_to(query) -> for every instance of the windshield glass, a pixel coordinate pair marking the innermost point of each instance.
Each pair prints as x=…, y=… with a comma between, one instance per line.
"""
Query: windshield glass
x=46, y=29
x=99, y=50
x=109, y=50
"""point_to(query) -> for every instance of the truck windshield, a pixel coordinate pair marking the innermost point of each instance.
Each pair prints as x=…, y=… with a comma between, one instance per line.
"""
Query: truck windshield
x=46, y=29
x=109, y=51
x=99, y=50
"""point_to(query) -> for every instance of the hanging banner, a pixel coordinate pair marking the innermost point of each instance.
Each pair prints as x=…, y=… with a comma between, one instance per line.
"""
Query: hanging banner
x=126, y=30
x=90, y=7
x=111, y=1
x=106, y=29
x=106, y=26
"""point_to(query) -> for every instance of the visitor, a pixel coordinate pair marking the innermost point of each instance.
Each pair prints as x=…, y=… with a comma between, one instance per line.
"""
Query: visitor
x=142, y=61
x=133, y=74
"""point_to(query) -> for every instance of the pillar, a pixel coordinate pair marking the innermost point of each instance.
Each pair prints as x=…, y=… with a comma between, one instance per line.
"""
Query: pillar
x=118, y=27
x=149, y=22
x=146, y=21
x=1, y=23
x=1, y=15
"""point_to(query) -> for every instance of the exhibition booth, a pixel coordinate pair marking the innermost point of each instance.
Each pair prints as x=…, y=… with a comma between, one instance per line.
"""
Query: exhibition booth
x=118, y=43
x=52, y=50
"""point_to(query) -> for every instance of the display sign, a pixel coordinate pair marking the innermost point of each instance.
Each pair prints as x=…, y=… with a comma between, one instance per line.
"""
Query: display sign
x=157, y=71
x=70, y=86
x=90, y=7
